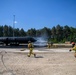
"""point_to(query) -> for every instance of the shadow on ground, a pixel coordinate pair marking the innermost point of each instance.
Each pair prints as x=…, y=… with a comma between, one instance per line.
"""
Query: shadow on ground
x=39, y=57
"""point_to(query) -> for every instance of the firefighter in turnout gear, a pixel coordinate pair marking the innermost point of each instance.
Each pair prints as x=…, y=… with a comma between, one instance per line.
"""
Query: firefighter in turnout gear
x=30, y=46
x=73, y=44
x=74, y=48
x=49, y=45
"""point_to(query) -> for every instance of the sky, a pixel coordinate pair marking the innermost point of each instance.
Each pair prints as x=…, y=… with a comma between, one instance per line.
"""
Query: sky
x=38, y=13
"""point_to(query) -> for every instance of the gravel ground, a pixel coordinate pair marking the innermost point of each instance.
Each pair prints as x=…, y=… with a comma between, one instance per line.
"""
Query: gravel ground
x=48, y=63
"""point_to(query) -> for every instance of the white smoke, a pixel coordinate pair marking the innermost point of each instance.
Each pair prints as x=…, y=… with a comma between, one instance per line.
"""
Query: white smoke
x=40, y=41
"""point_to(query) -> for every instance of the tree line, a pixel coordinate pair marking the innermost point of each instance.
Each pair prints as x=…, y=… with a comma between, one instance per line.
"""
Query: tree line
x=56, y=33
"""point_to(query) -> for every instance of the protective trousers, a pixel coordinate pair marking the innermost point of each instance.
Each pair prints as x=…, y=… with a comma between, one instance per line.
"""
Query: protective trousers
x=30, y=52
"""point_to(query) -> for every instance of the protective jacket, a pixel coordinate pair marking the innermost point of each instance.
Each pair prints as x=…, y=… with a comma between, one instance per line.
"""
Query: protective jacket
x=30, y=45
x=74, y=48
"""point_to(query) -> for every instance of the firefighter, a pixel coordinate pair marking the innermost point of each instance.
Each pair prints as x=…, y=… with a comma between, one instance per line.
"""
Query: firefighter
x=74, y=48
x=30, y=46
x=49, y=45
x=73, y=44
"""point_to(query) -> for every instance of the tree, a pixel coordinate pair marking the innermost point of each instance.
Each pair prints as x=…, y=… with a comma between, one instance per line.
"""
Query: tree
x=72, y=34
x=10, y=31
x=46, y=32
x=59, y=32
x=56, y=34
x=66, y=31
x=38, y=33
x=22, y=32
x=16, y=32
x=1, y=31
x=5, y=30
x=31, y=32
x=53, y=31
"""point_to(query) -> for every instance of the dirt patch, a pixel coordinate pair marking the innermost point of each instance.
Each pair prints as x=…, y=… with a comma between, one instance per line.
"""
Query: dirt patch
x=53, y=63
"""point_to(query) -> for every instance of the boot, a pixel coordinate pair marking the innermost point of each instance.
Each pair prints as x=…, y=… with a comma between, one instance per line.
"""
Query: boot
x=28, y=55
x=35, y=55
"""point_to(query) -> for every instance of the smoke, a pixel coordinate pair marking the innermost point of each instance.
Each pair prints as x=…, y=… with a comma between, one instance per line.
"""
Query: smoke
x=41, y=41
